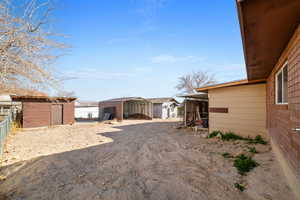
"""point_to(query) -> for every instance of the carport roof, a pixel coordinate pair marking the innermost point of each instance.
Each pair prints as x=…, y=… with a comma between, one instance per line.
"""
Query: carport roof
x=162, y=100
x=123, y=99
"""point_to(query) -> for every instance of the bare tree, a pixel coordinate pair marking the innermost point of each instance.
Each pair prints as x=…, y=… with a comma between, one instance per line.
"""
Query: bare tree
x=26, y=50
x=189, y=82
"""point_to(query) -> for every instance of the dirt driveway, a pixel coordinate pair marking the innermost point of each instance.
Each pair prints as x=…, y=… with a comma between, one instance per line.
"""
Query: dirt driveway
x=134, y=160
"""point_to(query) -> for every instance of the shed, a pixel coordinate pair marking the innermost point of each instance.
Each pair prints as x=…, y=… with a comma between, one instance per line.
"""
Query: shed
x=125, y=108
x=164, y=108
x=39, y=111
x=238, y=106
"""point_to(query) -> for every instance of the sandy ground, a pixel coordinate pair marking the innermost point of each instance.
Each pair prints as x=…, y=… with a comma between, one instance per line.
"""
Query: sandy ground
x=134, y=160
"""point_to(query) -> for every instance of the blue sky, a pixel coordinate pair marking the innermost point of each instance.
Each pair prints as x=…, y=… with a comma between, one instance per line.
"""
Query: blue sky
x=140, y=47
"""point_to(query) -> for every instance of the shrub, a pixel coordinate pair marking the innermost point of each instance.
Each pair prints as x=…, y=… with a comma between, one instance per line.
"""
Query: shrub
x=231, y=136
x=257, y=140
x=214, y=134
x=240, y=187
x=244, y=164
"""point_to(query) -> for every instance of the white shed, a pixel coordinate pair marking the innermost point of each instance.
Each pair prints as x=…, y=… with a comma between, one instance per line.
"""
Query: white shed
x=164, y=108
x=86, y=110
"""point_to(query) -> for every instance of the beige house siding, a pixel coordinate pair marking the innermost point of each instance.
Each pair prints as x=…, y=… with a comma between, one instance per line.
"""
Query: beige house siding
x=246, y=109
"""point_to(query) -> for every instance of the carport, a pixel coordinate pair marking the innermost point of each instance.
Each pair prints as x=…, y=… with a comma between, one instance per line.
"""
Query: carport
x=125, y=108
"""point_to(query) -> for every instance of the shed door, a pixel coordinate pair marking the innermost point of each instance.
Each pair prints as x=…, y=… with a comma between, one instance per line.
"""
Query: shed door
x=56, y=114
x=157, y=110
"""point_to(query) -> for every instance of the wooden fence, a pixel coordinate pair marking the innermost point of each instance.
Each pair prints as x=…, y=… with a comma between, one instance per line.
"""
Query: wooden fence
x=5, y=126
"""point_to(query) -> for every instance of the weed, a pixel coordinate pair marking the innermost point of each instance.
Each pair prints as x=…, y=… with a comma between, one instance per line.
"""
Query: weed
x=240, y=187
x=214, y=134
x=244, y=164
x=257, y=140
x=252, y=150
x=227, y=155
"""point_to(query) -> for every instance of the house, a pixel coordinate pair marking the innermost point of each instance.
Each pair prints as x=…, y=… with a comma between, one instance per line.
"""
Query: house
x=86, y=110
x=125, y=108
x=39, y=111
x=271, y=41
x=195, y=109
x=238, y=106
x=164, y=108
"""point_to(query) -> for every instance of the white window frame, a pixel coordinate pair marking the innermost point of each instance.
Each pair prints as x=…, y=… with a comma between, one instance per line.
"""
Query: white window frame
x=276, y=84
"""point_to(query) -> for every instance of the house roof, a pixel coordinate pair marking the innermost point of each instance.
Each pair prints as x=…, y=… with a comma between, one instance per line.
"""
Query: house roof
x=229, y=84
x=41, y=98
x=123, y=99
x=162, y=100
x=86, y=104
x=266, y=28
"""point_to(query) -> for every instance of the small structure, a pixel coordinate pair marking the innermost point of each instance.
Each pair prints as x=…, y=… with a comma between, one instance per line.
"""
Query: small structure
x=164, y=108
x=195, y=110
x=8, y=106
x=39, y=111
x=238, y=106
x=125, y=108
x=5, y=103
x=86, y=110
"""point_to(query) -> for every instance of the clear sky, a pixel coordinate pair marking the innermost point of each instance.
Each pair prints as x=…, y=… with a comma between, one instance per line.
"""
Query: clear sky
x=140, y=47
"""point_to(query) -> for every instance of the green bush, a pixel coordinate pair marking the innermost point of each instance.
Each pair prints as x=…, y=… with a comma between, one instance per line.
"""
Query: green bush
x=214, y=134
x=240, y=187
x=257, y=140
x=231, y=136
x=244, y=164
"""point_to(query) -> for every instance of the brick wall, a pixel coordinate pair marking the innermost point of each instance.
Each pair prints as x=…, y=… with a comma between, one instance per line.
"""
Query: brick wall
x=281, y=119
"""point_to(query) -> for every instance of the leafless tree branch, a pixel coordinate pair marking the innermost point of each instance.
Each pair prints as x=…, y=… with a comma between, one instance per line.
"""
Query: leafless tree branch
x=26, y=52
x=189, y=82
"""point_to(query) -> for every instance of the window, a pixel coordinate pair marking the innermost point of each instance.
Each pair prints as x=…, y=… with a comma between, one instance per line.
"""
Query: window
x=282, y=85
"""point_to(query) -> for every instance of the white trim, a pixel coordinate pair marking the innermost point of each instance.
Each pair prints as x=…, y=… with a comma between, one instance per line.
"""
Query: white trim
x=276, y=85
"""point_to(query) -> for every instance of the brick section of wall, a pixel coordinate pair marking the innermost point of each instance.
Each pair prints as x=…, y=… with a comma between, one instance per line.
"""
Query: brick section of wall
x=36, y=114
x=117, y=104
x=282, y=119
x=68, y=113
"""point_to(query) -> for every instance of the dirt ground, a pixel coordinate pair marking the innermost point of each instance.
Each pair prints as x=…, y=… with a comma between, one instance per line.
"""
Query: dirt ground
x=134, y=160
